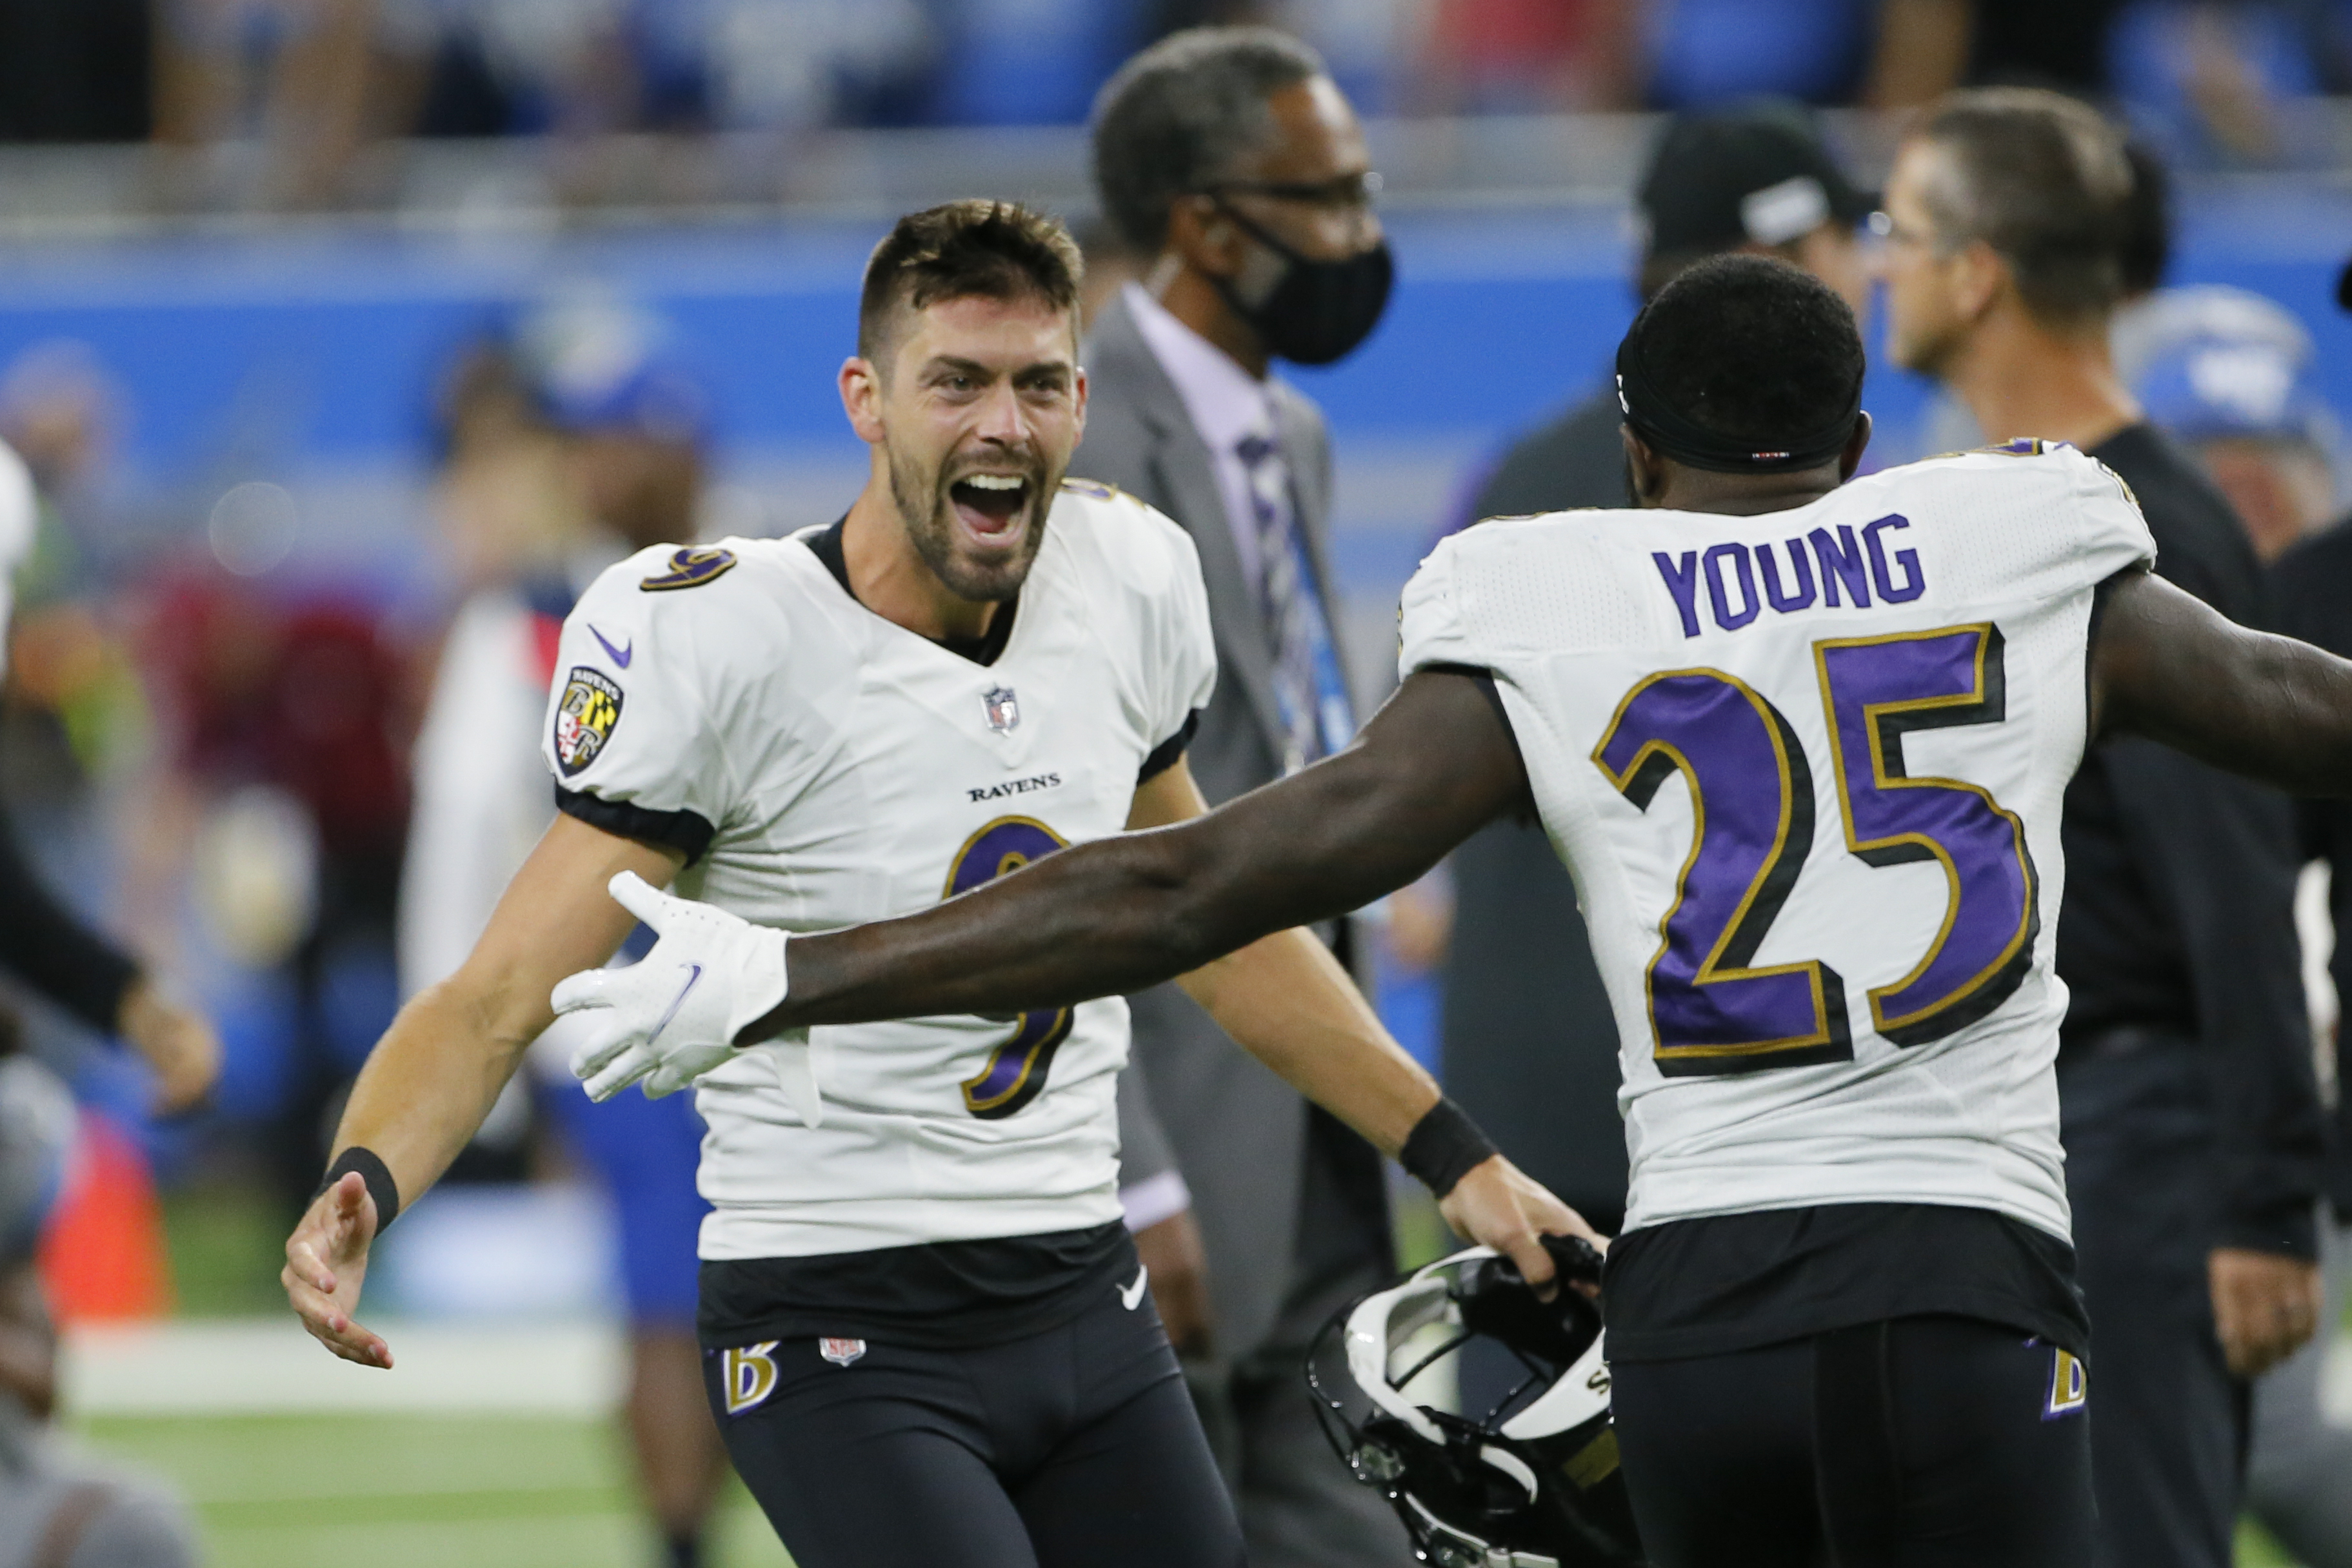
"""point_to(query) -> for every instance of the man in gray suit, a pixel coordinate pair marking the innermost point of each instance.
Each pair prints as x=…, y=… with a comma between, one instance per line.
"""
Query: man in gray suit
x=1228, y=158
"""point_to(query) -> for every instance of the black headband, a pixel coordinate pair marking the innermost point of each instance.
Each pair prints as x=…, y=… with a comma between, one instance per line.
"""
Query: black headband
x=1670, y=431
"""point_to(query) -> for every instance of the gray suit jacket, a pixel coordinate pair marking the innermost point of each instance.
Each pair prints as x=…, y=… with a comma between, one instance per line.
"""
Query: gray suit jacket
x=1237, y=1132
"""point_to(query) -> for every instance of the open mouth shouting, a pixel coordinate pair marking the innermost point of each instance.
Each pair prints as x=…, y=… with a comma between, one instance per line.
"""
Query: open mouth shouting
x=993, y=507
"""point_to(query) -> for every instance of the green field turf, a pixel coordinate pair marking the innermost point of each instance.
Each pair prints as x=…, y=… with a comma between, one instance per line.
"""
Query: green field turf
x=378, y=1491
x=399, y=1491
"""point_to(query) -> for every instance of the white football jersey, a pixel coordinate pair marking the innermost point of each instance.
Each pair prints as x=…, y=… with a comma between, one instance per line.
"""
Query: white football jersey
x=851, y=770
x=1806, y=769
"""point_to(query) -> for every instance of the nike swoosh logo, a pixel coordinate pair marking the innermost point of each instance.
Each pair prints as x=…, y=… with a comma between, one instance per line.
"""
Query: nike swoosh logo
x=1131, y=1296
x=621, y=656
x=694, y=973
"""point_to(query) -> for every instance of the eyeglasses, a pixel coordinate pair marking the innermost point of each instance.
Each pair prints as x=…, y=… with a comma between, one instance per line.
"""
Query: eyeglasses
x=1884, y=227
x=1346, y=194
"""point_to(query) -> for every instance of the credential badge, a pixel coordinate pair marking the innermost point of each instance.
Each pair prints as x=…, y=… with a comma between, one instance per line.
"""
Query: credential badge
x=1003, y=709
x=840, y=1351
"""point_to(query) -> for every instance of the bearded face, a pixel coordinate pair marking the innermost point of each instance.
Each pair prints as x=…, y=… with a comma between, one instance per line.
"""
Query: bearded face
x=978, y=518
x=979, y=414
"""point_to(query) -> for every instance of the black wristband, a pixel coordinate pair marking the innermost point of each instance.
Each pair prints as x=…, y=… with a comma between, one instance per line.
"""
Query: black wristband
x=376, y=1173
x=1443, y=1147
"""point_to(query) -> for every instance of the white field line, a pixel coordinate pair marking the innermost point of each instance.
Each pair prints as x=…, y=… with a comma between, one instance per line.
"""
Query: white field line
x=263, y=1366
x=269, y=1366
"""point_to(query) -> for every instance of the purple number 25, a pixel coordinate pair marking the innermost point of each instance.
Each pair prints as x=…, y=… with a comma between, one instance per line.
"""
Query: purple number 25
x=1711, y=1010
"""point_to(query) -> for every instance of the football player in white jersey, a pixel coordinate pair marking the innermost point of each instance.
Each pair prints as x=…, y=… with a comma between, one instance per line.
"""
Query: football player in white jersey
x=927, y=1335
x=1802, y=743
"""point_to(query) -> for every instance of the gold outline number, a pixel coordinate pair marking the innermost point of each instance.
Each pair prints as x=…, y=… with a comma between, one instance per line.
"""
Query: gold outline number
x=1775, y=877
x=1985, y=701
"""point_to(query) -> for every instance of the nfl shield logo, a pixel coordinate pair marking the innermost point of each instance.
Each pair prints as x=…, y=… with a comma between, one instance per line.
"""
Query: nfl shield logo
x=840, y=1351
x=1003, y=709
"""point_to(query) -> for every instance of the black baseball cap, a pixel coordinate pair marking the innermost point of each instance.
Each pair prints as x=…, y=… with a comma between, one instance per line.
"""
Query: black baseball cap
x=1755, y=174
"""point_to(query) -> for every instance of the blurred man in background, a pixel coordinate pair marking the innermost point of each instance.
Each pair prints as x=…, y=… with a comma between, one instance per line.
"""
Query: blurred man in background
x=2235, y=380
x=58, y=1510
x=52, y=949
x=1229, y=158
x=571, y=447
x=2299, y=1482
x=2191, y=1116
x=1530, y=1044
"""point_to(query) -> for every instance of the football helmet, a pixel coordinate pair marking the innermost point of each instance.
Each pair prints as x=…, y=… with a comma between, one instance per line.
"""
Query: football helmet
x=1534, y=1482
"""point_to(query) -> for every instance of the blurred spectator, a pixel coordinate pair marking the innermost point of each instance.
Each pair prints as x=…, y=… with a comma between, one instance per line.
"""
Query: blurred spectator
x=2205, y=80
x=576, y=443
x=2234, y=378
x=2296, y=1477
x=55, y=1507
x=50, y=949
x=1232, y=160
x=283, y=787
x=1519, y=57
x=1706, y=52
x=1927, y=48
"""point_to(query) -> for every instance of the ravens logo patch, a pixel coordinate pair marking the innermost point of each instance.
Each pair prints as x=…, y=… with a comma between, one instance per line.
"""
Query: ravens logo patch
x=691, y=568
x=585, y=719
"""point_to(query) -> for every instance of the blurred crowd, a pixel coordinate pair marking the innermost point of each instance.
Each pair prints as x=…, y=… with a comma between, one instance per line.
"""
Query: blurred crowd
x=321, y=79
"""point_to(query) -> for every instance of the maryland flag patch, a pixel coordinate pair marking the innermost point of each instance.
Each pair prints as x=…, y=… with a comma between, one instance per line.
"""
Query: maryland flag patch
x=691, y=568
x=585, y=719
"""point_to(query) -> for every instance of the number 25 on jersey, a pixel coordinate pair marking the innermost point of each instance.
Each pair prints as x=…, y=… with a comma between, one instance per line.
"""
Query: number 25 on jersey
x=1712, y=1010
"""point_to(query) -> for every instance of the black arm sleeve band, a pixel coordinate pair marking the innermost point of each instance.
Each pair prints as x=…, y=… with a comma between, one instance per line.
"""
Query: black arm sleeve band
x=684, y=832
x=52, y=951
x=1444, y=1147
x=1165, y=755
x=373, y=1171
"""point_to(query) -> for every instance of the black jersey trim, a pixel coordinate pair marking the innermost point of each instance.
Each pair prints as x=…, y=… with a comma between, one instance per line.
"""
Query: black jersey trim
x=984, y=649
x=1524, y=812
x=939, y=1295
x=1168, y=752
x=688, y=832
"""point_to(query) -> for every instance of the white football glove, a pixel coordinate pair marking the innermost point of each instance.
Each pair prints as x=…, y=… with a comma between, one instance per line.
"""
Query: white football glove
x=674, y=1015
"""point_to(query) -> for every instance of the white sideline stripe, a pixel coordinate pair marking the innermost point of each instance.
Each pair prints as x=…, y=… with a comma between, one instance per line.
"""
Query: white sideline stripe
x=269, y=1366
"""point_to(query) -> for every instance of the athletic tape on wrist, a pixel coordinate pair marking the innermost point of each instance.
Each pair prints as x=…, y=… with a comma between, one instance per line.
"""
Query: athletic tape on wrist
x=1444, y=1147
x=373, y=1171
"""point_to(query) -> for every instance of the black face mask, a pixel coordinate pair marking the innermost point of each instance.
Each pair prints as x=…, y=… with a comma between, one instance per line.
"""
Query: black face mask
x=1312, y=312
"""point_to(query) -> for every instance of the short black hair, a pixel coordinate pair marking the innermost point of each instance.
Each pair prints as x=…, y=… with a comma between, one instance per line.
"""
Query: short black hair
x=1178, y=117
x=994, y=250
x=2045, y=180
x=1751, y=347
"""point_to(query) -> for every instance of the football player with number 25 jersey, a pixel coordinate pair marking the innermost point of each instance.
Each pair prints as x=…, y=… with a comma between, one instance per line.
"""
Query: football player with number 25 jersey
x=928, y=1339
x=1802, y=744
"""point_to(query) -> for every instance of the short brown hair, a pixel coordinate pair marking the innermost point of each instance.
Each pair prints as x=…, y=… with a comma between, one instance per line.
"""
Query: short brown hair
x=994, y=250
x=2043, y=180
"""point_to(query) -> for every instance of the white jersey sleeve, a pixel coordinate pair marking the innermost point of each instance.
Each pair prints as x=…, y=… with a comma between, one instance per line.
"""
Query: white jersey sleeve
x=1158, y=573
x=1184, y=648
x=630, y=715
x=2115, y=535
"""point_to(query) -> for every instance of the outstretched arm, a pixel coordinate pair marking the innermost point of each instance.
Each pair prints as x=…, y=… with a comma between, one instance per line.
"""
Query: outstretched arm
x=2166, y=665
x=1121, y=914
x=1286, y=1001
x=434, y=1076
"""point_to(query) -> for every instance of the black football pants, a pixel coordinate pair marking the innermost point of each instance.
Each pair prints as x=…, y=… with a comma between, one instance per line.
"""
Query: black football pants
x=1917, y=1443
x=1076, y=1447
